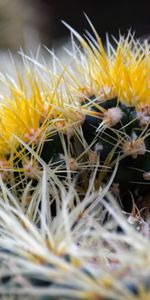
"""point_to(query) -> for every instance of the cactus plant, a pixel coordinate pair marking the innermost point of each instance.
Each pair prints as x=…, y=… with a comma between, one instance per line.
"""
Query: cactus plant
x=74, y=142
x=74, y=255
x=115, y=85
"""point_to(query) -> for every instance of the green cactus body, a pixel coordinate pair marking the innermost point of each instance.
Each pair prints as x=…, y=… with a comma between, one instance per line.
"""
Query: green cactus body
x=134, y=163
x=110, y=142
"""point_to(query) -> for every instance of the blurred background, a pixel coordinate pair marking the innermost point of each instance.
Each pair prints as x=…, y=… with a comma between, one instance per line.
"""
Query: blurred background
x=27, y=23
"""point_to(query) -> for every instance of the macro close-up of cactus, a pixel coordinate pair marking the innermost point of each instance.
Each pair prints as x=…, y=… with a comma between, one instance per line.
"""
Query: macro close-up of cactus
x=75, y=172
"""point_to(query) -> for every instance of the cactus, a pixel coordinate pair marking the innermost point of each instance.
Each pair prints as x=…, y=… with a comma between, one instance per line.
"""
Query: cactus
x=74, y=145
x=75, y=255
